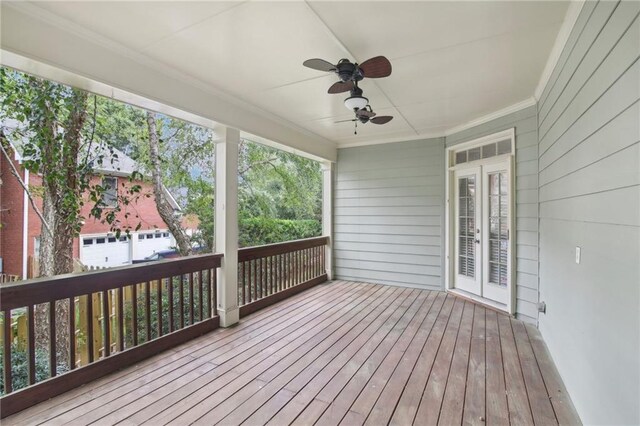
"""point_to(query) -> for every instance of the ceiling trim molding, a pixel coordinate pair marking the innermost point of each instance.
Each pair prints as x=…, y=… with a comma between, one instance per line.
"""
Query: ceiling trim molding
x=423, y=136
x=492, y=116
x=453, y=130
x=570, y=18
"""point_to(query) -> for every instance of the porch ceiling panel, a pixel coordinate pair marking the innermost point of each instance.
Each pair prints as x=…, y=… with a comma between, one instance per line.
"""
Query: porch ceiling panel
x=453, y=62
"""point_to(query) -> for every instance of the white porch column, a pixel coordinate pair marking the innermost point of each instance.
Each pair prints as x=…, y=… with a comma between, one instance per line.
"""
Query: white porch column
x=226, y=223
x=327, y=214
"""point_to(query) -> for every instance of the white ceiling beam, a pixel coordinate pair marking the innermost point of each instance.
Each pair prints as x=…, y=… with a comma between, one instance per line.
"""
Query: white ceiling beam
x=52, y=44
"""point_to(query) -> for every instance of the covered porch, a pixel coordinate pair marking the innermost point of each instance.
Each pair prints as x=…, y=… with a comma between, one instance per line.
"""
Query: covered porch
x=477, y=255
x=340, y=353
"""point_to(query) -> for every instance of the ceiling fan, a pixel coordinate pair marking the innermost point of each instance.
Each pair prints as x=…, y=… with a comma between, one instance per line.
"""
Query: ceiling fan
x=366, y=115
x=350, y=73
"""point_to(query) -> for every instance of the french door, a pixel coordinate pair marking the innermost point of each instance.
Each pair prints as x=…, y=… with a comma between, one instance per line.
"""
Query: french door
x=482, y=220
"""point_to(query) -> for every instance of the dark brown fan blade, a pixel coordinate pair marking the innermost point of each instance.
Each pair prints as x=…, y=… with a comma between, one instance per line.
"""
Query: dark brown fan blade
x=344, y=121
x=382, y=119
x=365, y=113
x=340, y=87
x=319, y=64
x=377, y=67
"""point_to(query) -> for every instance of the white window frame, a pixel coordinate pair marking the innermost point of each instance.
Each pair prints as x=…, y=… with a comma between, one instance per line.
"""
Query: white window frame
x=450, y=168
x=114, y=204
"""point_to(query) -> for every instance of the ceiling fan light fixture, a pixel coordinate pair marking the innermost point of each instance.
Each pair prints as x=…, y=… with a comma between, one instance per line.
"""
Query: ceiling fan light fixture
x=354, y=103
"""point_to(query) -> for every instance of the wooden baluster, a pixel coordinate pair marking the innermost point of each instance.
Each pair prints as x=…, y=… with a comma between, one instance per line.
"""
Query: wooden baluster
x=52, y=339
x=247, y=273
x=147, y=309
x=276, y=258
x=322, y=254
x=159, y=305
x=315, y=261
x=252, y=290
x=181, y=301
x=72, y=333
x=245, y=283
x=289, y=265
x=31, y=336
x=134, y=312
x=213, y=273
x=200, y=294
x=170, y=296
x=240, y=283
x=254, y=286
x=259, y=273
x=89, y=322
x=120, y=318
x=106, y=323
x=190, y=298
x=271, y=275
x=263, y=278
x=8, y=381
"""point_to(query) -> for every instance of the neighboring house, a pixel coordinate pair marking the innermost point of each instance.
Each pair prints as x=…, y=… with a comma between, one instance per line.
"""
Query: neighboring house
x=96, y=246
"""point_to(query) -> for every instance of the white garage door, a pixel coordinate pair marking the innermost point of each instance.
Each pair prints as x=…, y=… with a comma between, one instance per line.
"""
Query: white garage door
x=152, y=242
x=105, y=251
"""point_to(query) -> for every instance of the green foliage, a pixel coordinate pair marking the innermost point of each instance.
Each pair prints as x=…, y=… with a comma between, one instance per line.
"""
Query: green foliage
x=19, y=367
x=278, y=190
x=261, y=230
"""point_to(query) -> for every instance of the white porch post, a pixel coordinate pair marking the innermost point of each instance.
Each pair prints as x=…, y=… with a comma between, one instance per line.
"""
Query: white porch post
x=226, y=223
x=327, y=214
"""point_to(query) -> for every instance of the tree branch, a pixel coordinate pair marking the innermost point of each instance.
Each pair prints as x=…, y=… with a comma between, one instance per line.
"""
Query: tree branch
x=14, y=172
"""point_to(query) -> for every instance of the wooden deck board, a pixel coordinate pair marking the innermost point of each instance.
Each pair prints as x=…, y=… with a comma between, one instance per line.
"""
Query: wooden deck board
x=340, y=353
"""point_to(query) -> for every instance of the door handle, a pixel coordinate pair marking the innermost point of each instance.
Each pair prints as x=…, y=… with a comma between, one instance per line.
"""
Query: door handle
x=477, y=241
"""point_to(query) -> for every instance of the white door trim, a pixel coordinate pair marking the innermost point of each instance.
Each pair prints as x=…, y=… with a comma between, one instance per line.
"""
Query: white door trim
x=450, y=168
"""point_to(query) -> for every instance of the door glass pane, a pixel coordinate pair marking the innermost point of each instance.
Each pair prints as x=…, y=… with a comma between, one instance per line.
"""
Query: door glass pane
x=466, y=228
x=498, y=228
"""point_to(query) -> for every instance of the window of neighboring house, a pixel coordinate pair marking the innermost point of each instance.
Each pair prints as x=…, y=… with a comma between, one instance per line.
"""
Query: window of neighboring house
x=149, y=236
x=110, y=195
x=165, y=235
x=158, y=235
x=112, y=239
x=87, y=241
x=99, y=240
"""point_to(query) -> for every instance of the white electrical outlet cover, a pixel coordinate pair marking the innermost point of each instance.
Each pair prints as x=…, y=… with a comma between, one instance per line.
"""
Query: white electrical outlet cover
x=578, y=255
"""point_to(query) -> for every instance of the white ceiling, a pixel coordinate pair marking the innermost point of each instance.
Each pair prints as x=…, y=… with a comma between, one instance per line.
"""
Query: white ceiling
x=452, y=61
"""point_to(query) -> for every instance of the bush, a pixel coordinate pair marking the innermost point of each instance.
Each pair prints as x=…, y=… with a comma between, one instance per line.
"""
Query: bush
x=19, y=367
x=257, y=231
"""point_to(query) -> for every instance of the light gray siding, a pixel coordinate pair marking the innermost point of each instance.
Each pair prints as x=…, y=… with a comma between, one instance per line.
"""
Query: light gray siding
x=388, y=213
x=589, y=178
x=525, y=123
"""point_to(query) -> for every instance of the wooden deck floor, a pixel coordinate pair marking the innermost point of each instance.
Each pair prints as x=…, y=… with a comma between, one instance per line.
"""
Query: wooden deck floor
x=340, y=353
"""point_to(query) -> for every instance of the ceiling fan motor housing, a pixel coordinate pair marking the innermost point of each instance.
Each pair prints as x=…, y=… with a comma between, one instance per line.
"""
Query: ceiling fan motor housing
x=349, y=71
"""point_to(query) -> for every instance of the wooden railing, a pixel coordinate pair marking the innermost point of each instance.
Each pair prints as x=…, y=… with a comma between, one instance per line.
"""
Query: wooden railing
x=100, y=322
x=270, y=273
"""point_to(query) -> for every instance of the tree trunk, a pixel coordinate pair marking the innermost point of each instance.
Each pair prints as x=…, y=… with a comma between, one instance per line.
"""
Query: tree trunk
x=164, y=208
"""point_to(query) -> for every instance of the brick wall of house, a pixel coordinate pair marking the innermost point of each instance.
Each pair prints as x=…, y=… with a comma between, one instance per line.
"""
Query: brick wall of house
x=11, y=198
x=11, y=219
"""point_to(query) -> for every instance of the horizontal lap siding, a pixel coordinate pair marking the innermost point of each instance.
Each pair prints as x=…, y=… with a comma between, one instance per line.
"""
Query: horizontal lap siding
x=388, y=214
x=589, y=187
x=526, y=172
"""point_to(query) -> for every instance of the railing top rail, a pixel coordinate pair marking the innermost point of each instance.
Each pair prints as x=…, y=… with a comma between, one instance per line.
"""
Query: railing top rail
x=248, y=253
x=48, y=289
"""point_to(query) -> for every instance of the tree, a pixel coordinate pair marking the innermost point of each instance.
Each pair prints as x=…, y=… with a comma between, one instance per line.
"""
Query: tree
x=56, y=140
x=164, y=208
